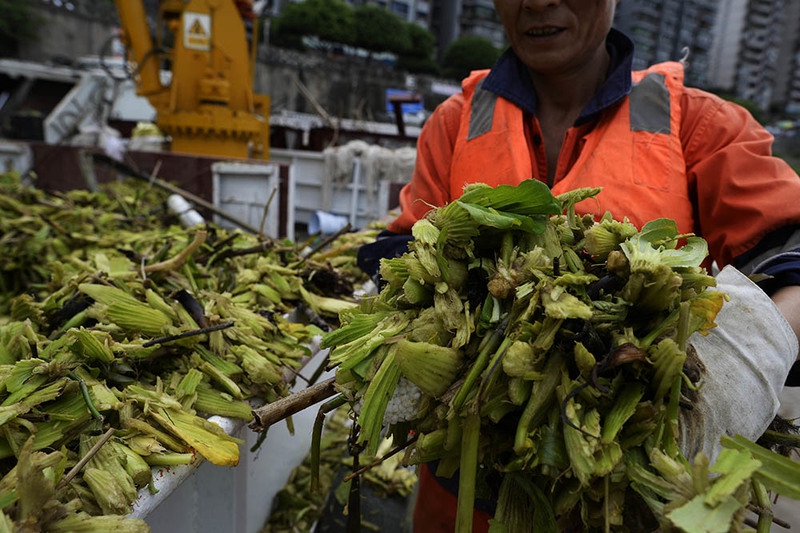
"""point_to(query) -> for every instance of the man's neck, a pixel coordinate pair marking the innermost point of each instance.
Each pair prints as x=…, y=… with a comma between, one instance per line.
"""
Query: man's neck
x=568, y=93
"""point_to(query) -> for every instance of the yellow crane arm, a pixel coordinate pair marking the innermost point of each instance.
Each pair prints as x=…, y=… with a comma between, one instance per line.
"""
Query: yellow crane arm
x=139, y=44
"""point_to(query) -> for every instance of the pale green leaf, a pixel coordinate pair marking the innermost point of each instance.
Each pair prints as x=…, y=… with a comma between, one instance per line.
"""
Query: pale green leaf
x=659, y=230
x=693, y=253
x=736, y=468
x=697, y=517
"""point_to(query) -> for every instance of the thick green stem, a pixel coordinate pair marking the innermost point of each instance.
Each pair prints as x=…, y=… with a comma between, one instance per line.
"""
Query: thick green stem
x=179, y=260
x=170, y=459
x=669, y=442
x=468, y=470
x=682, y=333
x=542, y=396
x=784, y=439
x=489, y=347
x=492, y=372
x=765, y=507
x=77, y=320
x=659, y=330
x=507, y=247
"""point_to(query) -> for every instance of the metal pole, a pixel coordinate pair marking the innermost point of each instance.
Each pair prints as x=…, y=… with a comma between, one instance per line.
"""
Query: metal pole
x=354, y=192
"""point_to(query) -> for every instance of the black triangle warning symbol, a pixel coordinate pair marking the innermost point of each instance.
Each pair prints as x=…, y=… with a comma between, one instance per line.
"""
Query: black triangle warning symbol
x=197, y=28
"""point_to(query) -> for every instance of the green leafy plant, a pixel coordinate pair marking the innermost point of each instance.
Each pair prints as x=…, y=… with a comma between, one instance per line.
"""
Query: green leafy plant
x=466, y=54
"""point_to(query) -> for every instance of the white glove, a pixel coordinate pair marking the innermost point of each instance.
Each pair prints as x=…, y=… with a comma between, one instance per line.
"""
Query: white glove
x=746, y=358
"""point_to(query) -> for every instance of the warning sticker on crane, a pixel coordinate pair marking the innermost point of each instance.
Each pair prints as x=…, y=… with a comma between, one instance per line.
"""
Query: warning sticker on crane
x=197, y=31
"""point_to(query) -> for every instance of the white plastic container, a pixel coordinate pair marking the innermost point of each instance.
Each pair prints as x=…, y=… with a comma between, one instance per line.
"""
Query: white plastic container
x=251, y=193
x=325, y=223
x=178, y=205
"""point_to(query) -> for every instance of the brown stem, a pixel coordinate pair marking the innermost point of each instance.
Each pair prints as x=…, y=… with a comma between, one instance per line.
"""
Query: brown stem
x=85, y=459
x=170, y=338
x=264, y=214
x=55, y=226
x=261, y=247
x=775, y=520
x=178, y=260
x=285, y=407
x=129, y=171
x=324, y=243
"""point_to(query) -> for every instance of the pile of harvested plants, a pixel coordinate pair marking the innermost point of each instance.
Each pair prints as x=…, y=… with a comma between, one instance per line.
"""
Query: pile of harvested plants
x=121, y=333
x=543, y=356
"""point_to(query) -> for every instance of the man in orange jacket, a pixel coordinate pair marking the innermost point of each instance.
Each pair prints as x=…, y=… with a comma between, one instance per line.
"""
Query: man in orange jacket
x=561, y=106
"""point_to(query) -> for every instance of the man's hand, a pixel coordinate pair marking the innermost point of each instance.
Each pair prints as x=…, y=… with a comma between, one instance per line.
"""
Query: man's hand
x=746, y=358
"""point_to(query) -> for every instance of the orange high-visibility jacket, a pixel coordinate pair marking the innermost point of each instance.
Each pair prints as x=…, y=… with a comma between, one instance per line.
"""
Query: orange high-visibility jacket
x=663, y=151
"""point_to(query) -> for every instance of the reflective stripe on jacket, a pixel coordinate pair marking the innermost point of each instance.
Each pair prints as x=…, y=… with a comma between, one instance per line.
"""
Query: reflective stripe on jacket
x=634, y=151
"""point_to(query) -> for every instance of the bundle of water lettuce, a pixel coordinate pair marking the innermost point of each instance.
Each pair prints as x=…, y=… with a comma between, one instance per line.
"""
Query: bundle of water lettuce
x=543, y=357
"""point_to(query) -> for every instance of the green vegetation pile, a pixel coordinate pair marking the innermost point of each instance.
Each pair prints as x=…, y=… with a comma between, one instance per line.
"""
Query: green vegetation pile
x=121, y=333
x=544, y=358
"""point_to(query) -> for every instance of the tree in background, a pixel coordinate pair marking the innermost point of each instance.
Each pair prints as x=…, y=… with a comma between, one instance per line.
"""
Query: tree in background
x=18, y=25
x=281, y=33
x=331, y=21
x=466, y=54
x=378, y=30
x=418, y=58
x=369, y=27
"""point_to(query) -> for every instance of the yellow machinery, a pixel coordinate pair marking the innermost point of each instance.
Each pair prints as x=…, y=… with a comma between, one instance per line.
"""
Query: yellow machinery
x=208, y=107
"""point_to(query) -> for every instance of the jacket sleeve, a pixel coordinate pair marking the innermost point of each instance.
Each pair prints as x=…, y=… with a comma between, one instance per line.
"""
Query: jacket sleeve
x=429, y=186
x=430, y=182
x=744, y=195
x=747, y=199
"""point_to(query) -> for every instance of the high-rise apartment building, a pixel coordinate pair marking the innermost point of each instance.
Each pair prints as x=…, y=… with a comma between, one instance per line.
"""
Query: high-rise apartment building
x=755, y=52
x=786, y=91
x=758, y=52
x=670, y=30
x=728, y=29
x=789, y=63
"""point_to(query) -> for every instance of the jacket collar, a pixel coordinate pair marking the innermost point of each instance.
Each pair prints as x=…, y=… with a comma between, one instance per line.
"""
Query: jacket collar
x=509, y=78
